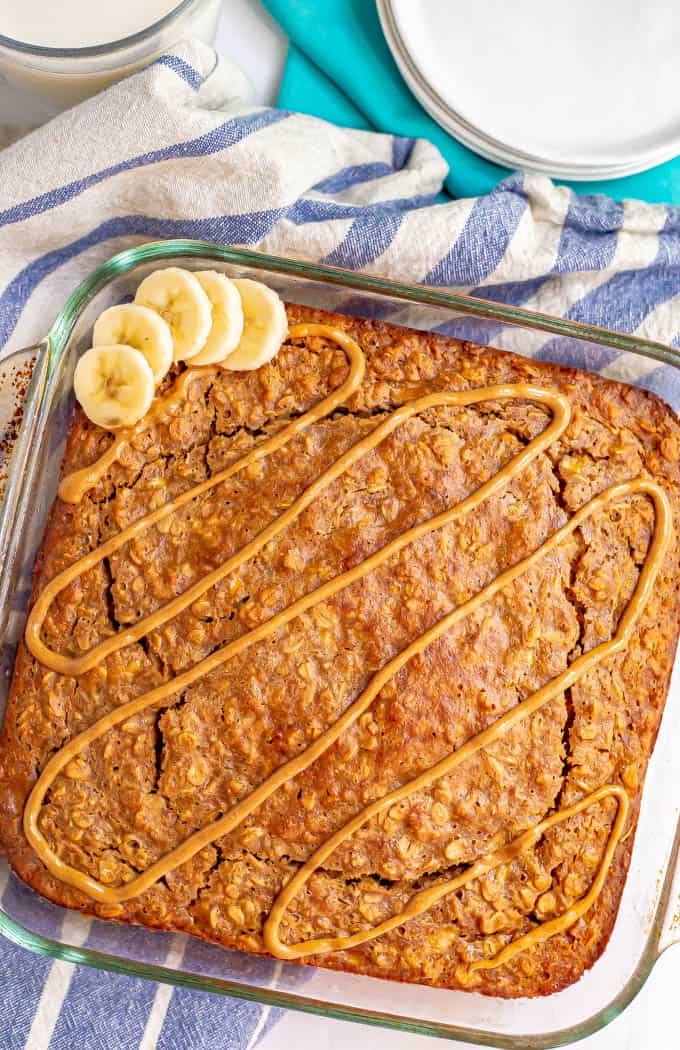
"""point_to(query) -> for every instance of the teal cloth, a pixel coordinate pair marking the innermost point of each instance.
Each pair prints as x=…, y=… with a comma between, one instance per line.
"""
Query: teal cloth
x=340, y=68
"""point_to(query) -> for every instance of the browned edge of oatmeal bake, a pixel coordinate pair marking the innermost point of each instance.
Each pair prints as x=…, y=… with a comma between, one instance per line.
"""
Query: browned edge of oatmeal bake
x=147, y=785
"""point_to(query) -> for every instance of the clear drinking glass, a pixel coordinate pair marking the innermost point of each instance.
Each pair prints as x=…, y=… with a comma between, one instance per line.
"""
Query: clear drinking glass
x=47, y=80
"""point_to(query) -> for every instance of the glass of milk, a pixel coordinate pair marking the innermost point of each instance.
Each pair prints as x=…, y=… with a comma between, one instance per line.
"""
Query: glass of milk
x=54, y=53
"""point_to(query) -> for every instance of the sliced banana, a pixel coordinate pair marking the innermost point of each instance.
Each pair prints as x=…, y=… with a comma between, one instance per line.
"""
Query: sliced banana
x=265, y=326
x=114, y=384
x=133, y=325
x=227, y=317
x=177, y=296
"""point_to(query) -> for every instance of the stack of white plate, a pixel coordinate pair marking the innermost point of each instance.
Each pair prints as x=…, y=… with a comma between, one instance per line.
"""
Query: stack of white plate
x=578, y=89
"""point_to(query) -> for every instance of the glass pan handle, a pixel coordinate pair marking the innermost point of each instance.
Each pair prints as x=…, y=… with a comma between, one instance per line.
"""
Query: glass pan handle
x=670, y=927
x=23, y=379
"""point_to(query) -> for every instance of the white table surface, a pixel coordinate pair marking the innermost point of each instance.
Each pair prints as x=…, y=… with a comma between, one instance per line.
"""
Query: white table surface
x=248, y=35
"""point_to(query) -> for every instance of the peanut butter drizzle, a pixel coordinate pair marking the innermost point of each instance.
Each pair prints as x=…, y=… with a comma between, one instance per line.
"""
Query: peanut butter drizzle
x=85, y=479
x=74, y=486
x=424, y=899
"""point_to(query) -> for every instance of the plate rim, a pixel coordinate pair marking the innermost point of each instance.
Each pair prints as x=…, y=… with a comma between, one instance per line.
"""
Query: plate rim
x=489, y=147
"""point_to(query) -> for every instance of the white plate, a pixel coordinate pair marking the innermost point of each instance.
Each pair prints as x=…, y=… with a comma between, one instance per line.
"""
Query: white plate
x=580, y=90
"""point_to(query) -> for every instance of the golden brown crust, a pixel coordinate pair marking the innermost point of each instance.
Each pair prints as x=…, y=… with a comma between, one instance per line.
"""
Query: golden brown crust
x=147, y=785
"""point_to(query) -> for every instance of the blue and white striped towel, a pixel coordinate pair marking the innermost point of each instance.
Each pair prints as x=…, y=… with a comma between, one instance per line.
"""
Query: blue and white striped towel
x=171, y=152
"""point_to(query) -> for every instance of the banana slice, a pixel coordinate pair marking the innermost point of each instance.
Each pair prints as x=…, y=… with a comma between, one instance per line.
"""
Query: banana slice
x=177, y=296
x=133, y=325
x=114, y=384
x=227, y=317
x=265, y=326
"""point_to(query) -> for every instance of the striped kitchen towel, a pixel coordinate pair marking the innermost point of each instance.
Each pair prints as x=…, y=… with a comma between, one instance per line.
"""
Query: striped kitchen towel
x=174, y=150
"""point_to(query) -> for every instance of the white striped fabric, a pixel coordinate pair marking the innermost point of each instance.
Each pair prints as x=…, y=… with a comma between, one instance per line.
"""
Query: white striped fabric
x=54, y=991
x=172, y=151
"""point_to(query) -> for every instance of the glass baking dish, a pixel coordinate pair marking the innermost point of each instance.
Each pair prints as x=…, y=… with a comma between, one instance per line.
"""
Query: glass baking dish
x=649, y=917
